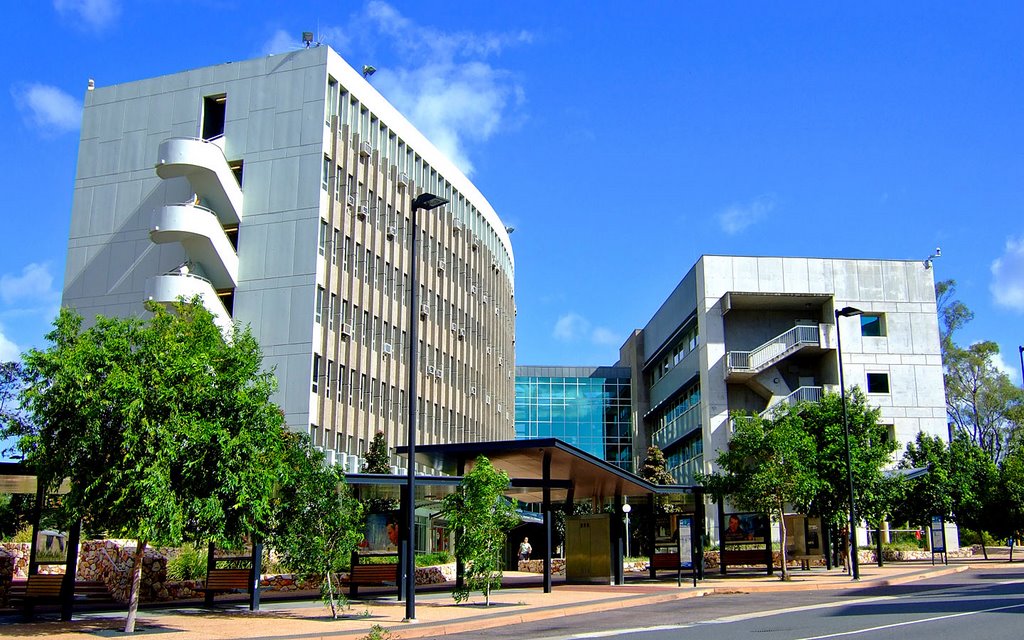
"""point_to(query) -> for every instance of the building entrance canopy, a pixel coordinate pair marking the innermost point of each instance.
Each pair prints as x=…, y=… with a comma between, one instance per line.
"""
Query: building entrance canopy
x=548, y=463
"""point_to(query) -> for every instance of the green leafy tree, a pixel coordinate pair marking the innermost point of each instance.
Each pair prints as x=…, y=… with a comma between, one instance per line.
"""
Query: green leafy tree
x=480, y=516
x=981, y=400
x=165, y=428
x=378, y=459
x=974, y=483
x=317, y=522
x=929, y=494
x=870, y=452
x=1010, y=498
x=655, y=467
x=768, y=464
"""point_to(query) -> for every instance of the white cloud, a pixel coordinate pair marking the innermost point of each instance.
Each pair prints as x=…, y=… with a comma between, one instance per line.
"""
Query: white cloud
x=280, y=41
x=572, y=327
x=1007, y=284
x=94, y=14
x=8, y=350
x=606, y=337
x=34, y=283
x=47, y=107
x=1011, y=370
x=448, y=90
x=738, y=217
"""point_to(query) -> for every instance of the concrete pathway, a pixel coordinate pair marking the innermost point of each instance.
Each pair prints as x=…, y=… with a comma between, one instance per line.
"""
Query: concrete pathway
x=521, y=600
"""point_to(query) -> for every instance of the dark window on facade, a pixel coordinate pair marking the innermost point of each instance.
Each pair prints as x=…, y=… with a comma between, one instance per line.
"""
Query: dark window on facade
x=872, y=325
x=214, y=114
x=878, y=383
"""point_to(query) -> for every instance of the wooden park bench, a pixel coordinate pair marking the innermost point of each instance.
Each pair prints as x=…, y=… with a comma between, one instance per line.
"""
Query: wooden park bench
x=41, y=587
x=371, y=575
x=747, y=557
x=226, y=581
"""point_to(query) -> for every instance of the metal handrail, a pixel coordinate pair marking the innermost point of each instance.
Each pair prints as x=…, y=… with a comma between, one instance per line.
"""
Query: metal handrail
x=802, y=394
x=210, y=141
x=780, y=345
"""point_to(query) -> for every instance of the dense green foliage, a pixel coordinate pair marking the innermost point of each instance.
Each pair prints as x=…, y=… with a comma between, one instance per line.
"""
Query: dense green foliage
x=187, y=563
x=768, y=464
x=317, y=523
x=480, y=516
x=377, y=458
x=655, y=467
x=981, y=400
x=871, y=448
x=164, y=426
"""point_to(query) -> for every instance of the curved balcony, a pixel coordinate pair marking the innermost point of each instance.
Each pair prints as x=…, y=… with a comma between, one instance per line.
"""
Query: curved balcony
x=204, y=165
x=171, y=287
x=199, y=231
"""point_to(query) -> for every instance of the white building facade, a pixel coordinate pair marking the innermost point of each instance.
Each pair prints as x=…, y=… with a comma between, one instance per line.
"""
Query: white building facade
x=279, y=190
x=747, y=333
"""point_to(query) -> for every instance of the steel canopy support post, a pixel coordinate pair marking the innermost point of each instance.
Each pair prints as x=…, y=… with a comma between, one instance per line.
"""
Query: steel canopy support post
x=616, y=530
x=548, y=536
x=257, y=570
x=67, y=592
x=699, y=518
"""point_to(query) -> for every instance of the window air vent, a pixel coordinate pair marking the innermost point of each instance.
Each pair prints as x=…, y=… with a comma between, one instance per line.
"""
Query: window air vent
x=387, y=349
x=365, y=148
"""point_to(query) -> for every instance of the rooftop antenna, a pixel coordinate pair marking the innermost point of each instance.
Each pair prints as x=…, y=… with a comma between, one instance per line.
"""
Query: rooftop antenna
x=929, y=259
x=369, y=70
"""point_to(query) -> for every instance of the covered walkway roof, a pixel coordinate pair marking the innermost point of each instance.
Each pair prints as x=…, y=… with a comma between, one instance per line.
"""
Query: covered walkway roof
x=569, y=469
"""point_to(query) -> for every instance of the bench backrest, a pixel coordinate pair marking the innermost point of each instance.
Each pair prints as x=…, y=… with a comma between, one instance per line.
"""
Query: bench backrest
x=376, y=572
x=228, y=579
x=40, y=584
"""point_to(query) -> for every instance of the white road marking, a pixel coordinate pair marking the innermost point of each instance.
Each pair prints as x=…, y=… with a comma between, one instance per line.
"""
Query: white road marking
x=896, y=625
x=618, y=632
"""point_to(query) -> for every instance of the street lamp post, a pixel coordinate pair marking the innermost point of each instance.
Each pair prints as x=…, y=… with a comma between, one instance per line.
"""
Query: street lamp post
x=847, y=312
x=426, y=201
x=1021, y=350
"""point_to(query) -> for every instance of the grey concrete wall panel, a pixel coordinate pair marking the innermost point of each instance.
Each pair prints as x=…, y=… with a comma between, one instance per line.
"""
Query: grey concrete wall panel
x=679, y=306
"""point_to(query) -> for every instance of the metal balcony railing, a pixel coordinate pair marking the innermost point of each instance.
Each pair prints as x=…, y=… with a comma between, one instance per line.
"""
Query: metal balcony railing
x=769, y=353
x=685, y=423
x=802, y=394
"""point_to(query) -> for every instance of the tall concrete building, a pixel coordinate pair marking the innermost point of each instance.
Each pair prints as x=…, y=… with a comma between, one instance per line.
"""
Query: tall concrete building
x=279, y=191
x=747, y=333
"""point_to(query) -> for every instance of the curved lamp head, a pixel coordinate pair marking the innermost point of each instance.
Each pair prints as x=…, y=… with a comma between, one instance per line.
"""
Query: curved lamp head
x=846, y=312
x=428, y=201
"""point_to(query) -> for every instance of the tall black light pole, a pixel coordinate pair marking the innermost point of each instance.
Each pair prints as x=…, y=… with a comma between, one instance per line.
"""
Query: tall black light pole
x=426, y=201
x=1021, y=350
x=847, y=312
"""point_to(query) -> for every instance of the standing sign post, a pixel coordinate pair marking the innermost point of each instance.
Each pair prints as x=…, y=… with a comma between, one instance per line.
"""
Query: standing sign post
x=938, y=539
x=685, y=537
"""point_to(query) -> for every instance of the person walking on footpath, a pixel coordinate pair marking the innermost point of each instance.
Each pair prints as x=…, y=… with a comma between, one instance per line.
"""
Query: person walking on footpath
x=525, y=550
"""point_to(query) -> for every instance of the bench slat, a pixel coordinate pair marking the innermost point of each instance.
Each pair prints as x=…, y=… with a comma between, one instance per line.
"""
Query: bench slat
x=44, y=585
x=227, y=579
x=369, y=574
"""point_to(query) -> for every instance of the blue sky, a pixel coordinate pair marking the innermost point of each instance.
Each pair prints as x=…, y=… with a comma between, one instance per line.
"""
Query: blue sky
x=862, y=130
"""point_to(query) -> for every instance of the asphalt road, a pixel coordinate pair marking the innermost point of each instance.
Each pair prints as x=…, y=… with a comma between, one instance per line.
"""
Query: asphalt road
x=982, y=604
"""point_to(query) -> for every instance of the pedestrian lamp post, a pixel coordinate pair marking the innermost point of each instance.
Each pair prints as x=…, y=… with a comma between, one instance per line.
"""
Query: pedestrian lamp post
x=847, y=312
x=426, y=201
x=626, y=509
